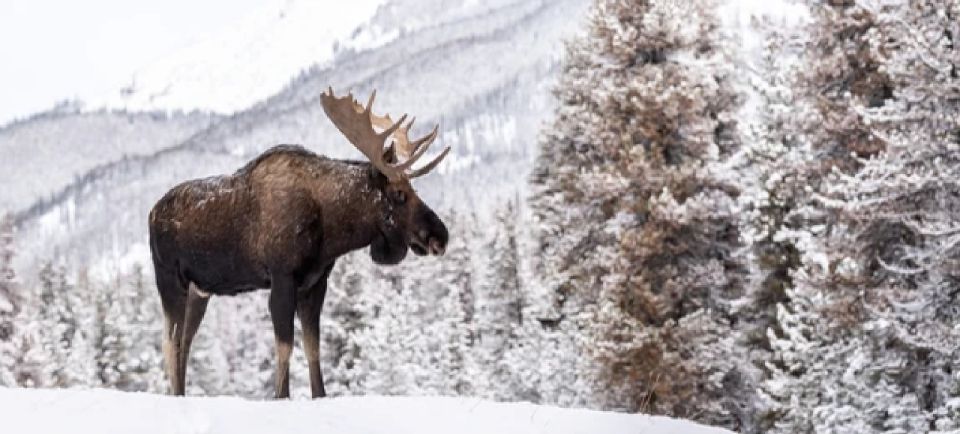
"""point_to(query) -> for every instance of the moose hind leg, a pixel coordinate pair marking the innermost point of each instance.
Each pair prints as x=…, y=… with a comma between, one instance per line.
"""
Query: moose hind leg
x=309, y=306
x=282, y=310
x=195, y=309
x=309, y=313
x=173, y=300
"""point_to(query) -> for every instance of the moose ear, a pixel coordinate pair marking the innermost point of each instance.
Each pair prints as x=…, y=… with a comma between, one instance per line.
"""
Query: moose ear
x=377, y=176
x=390, y=155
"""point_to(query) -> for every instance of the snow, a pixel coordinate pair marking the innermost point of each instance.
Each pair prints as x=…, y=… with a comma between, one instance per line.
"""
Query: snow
x=106, y=411
x=250, y=60
x=738, y=19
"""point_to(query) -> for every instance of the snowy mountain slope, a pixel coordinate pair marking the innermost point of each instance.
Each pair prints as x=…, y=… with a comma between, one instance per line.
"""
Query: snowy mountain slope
x=105, y=411
x=259, y=54
x=85, y=145
x=245, y=63
x=489, y=96
x=45, y=154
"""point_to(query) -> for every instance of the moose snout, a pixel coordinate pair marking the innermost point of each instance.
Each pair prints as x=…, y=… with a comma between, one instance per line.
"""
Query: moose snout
x=430, y=243
x=433, y=234
x=436, y=248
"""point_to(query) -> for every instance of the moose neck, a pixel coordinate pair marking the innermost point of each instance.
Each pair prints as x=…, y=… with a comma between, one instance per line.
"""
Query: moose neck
x=355, y=223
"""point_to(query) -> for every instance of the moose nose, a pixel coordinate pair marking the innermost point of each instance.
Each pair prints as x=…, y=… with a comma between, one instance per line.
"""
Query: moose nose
x=436, y=248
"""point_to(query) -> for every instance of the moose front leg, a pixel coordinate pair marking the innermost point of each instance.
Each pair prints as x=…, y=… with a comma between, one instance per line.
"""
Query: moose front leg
x=309, y=307
x=283, y=297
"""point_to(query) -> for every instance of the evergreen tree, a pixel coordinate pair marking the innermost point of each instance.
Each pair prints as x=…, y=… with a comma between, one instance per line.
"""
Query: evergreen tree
x=451, y=332
x=112, y=344
x=208, y=370
x=868, y=340
x=500, y=307
x=343, y=319
x=144, y=356
x=841, y=73
x=637, y=221
x=60, y=311
x=9, y=306
x=245, y=337
x=394, y=351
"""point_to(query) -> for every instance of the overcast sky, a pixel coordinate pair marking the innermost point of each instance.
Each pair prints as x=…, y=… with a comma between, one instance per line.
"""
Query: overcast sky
x=51, y=50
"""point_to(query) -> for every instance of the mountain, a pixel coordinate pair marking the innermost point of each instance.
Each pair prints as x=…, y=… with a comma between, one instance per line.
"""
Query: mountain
x=47, y=155
x=253, y=59
x=463, y=70
x=250, y=60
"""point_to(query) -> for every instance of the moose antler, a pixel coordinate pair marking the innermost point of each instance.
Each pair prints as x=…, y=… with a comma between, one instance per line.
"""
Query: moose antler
x=357, y=124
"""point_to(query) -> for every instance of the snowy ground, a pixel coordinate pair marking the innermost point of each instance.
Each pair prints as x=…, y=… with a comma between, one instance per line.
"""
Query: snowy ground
x=103, y=411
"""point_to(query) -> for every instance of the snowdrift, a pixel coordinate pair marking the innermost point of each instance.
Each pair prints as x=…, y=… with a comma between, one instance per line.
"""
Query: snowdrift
x=104, y=411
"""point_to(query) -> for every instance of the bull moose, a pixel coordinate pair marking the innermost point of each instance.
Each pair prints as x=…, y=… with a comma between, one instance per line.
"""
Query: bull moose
x=280, y=222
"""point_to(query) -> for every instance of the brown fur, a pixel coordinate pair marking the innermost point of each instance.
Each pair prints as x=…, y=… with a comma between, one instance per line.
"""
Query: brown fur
x=280, y=222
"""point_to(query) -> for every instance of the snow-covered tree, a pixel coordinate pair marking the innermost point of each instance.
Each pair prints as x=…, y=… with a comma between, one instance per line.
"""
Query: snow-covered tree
x=63, y=316
x=868, y=341
x=638, y=218
x=499, y=314
x=841, y=73
x=344, y=317
x=393, y=343
x=452, y=329
x=129, y=323
x=9, y=305
x=242, y=327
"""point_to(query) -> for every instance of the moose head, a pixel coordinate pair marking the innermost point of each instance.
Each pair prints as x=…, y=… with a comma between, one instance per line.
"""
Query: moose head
x=406, y=220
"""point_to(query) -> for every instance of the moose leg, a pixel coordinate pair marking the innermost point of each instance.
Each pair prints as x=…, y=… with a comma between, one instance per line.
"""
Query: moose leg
x=196, y=308
x=283, y=305
x=173, y=299
x=309, y=307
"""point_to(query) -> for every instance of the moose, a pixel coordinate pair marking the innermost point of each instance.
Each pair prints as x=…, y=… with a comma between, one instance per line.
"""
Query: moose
x=280, y=223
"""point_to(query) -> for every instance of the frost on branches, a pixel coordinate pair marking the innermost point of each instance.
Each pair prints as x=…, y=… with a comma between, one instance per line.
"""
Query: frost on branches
x=638, y=228
x=9, y=305
x=869, y=341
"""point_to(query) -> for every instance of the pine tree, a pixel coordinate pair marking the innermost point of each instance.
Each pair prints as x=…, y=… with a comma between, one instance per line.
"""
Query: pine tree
x=60, y=311
x=841, y=73
x=111, y=343
x=246, y=338
x=393, y=346
x=128, y=355
x=80, y=369
x=144, y=356
x=9, y=305
x=208, y=370
x=500, y=307
x=638, y=224
x=867, y=341
x=343, y=319
x=774, y=178
x=451, y=333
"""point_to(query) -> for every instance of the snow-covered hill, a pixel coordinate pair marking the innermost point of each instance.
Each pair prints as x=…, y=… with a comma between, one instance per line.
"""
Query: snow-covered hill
x=104, y=411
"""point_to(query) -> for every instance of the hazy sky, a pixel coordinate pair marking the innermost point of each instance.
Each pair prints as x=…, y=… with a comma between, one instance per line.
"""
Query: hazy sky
x=52, y=50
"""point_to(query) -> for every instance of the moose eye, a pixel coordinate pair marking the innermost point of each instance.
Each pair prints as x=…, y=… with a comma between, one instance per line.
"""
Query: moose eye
x=399, y=196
